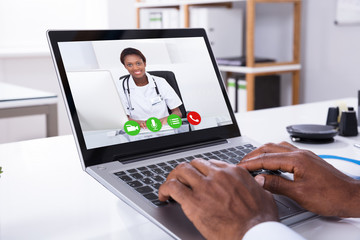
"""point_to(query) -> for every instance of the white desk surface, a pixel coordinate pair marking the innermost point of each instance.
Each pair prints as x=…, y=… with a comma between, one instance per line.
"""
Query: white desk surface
x=44, y=194
x=15, y=96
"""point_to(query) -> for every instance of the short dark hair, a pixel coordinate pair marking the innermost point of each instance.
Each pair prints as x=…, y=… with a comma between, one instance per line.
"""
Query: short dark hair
x=131, y=51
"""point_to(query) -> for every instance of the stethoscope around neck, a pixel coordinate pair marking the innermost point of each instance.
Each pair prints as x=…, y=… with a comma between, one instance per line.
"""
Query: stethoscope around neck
x=127, y=91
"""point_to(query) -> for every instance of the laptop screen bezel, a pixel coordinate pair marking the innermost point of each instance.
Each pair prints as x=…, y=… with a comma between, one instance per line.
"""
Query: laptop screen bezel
x=128, y=151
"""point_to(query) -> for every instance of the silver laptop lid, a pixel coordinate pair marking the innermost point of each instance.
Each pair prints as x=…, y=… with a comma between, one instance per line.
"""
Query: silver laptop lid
x=95, y=87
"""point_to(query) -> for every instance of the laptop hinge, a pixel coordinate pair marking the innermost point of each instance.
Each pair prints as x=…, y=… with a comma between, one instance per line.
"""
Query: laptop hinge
x=162, y=153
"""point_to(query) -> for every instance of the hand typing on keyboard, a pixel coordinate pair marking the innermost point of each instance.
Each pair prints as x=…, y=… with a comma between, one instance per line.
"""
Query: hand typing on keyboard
x=224, y=201
x=317, y=186
x=221, y=199
x=146, y=180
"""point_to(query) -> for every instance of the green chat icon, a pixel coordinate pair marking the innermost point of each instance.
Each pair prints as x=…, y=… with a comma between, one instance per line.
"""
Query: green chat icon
x=174, y=121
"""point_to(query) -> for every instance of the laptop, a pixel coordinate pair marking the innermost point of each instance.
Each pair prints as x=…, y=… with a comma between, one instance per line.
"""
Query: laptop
x=134, y=166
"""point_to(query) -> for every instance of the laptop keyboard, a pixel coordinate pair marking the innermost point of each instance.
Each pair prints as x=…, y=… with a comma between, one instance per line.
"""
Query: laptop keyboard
x=147, y=180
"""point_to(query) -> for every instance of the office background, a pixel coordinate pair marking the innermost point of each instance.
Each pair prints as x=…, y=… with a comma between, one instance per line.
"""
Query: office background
x=329, y=52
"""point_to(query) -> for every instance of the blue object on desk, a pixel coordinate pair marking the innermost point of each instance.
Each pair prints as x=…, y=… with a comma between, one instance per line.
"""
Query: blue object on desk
x=340, y=158
x=343, y=159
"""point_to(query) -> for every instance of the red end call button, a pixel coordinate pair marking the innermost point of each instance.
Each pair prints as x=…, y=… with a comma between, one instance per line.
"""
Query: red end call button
x=194, y=118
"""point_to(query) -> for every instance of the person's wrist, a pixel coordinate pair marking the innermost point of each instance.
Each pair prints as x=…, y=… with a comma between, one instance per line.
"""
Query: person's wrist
x=352, y=206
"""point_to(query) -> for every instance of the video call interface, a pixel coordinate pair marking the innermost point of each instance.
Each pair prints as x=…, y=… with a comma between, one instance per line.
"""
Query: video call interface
x=158, y=87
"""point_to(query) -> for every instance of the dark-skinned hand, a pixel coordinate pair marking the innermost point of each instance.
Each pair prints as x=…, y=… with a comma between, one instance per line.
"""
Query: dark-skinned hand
x=317, y=186
x=223, y=201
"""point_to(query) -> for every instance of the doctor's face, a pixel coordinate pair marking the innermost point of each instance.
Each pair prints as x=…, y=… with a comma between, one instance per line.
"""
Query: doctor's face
x=135, y=66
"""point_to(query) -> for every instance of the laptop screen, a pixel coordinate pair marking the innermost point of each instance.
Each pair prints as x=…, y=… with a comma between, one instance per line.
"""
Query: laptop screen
x=133, y=92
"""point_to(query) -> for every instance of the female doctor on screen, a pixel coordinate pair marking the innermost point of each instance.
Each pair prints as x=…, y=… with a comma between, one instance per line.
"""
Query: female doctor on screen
x=144, y=95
